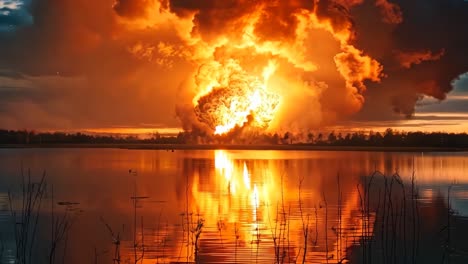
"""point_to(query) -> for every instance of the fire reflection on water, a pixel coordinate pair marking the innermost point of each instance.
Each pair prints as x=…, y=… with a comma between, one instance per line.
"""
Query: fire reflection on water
x=244, y=206
x=258, y=216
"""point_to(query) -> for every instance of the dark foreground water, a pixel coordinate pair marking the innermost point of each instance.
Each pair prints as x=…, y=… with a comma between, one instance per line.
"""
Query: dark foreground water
x=115, y=206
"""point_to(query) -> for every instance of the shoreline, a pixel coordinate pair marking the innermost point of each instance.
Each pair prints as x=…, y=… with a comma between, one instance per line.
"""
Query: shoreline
x=293, y=147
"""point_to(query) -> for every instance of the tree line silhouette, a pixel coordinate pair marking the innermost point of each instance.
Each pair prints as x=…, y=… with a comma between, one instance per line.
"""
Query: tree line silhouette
x=37, y=138
x=388, y=138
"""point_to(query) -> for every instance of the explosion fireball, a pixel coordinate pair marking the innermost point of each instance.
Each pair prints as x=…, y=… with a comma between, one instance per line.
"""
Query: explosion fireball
x=273, y=65
x=265, y=65
x=235, y=98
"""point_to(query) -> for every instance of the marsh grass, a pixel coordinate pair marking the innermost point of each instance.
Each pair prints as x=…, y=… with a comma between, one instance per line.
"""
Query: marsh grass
x=26, y=218
x=161, y=237
x=389, y=231
x=26, y=209
x=339, y=228
x=61, y=223
x=116, y=241
x=2, y=247
x=326, y=225
x=446, y=244
x=196, y=233
x=138, y=246
x=390, y=226
x=305, y=223
x=403, y=231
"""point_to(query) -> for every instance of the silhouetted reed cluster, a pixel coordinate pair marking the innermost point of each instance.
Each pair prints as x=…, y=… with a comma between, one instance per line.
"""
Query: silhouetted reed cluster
x=392, y=227
x=30, y=214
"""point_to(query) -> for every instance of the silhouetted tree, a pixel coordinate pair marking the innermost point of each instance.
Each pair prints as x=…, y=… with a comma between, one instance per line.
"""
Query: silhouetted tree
x=319, y=139
x=287, y=138
x=339, y=138
x=276, y=138
x=388, y=138
x=331, y=138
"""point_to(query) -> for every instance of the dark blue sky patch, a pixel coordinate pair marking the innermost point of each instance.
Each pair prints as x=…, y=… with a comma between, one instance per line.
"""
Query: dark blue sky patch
x=14, y=14
x=457, y=99
x=461, y=84
x=450, y=105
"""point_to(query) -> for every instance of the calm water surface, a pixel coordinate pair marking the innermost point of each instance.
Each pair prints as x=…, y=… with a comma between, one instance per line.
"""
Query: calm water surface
x=235, y=206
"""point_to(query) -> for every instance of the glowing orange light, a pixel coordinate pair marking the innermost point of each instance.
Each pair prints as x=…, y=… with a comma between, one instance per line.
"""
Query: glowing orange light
x=232, y=98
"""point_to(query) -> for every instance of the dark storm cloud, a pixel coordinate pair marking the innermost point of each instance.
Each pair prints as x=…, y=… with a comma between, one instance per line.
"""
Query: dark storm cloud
x=422, y=55
x=451, y=108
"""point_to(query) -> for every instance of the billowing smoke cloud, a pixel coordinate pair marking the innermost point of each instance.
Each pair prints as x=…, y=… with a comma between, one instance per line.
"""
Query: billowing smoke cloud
x=421, y=55
x=253, y=35
x=330, y=50
x=132, y=61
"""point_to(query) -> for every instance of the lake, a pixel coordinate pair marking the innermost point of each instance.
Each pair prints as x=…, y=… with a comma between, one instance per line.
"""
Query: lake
x=228, y=206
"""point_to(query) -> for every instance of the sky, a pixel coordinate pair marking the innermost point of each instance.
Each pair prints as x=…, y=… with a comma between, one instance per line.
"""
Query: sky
x=168, y=65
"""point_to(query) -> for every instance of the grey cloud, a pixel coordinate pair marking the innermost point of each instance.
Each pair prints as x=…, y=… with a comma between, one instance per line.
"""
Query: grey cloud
x=11, y=74
x=450, y=105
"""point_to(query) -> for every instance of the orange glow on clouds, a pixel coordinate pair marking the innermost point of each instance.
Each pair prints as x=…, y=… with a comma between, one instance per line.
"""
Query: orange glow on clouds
x=249, y=74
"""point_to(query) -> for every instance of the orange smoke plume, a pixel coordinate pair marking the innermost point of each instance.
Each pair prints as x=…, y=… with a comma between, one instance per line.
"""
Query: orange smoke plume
x=257, y=64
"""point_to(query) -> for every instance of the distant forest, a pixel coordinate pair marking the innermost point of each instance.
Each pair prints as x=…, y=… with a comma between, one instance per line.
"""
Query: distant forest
x=389, y=138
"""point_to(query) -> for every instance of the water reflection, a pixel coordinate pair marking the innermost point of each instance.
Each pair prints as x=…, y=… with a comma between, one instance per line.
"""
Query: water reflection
x=236, y=206
x=254, y=211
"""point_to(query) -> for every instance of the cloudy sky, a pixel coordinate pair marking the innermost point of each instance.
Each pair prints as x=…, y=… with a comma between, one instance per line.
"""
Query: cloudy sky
x=114, y=64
